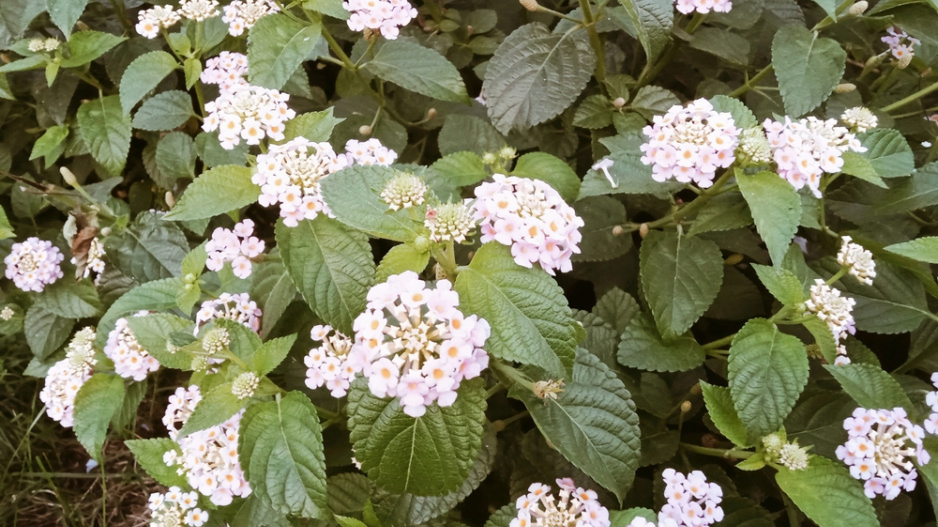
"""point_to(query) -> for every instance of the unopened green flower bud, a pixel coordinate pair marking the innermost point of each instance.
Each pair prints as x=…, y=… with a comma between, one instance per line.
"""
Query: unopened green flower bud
x=199, y=363
x=530, y=5
x=489, y=158
x=422, y=244
x=68, y=176
x=773, y=444
x=365, y=130
x=507, y=152
x=755, y=146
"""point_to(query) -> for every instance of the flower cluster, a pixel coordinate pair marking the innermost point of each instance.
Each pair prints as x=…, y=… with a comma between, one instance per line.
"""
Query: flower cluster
x=238, y=307
x=692, y=501
x=379, y=16
x=416, y=345
x=37, y=45
x=754, y=145
x=245, y=384
x=238, y=246
x=34, y=264
x=227, y=70
x=131, y=361
x=530, y=217
x=690, y=144
x=931, y=424
x=860, y=119
x=150, y=21
x=807, y=148
x=289, y=174
x=779, y=450
x=900, y=45
x=880, y=450
x=67, y=376
x=331, y=364
x=576, y=506
x=7, y=313
x=703, y=6
x=198, y=10
x=209, y=458
x=857, y=260
x=370, y=152
x=404, y=191
x=243, y=14
x=449, y=222
x=176, y=508
x=837, y=311
x=248, y=112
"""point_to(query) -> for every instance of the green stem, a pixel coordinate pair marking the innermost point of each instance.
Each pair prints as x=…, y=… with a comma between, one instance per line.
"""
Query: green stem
x=717, y=452
x=494, y=390
x=517, y=417
x=699, y=202
x=911, y=98
x=200, y=97
x=515, y=376
x=751, y=83
x=651, y=70
x=558, y=14
x=595, y=41
x=446, y=257
x=717, y=344
x=838, y=275
x=337, y=49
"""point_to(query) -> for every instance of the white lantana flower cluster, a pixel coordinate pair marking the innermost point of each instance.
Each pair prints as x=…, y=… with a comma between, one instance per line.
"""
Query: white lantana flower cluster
x=703, y=6
x=38, y=45
x=150, y=21
x=931, y=424
x=6, y=313
x=880, y=450
x=131, y=361
x=243, y=14
x=857, y=260
x=450, y=222
x=209, y=458
x=415, y=344
x=807, y=148
x=379, y=16
x=530, y=217
x=573, y=506
x=34, y=264
x=176, y=508
x=404, y=191
x=370, y=152
x=331, y=363
x=238, y=307
x=67, y=376
x=790, y=455
x=690, y=143
x=227, y=70
x=692, y=501
x=860, y=119
x=900, y=46
x=238, y=246
x=836, y=311
x=198, y=10
x=248, y=112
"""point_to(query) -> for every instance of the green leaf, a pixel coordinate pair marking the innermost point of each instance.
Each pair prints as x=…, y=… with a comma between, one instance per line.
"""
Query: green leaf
x=776, y=210
x=592, y=423
x=158, y=295
x=149, y=455
x=429, y=455
x=192, y=68
x=45, y=331
x=216, y=191
x=601, y=215
x=462, y=133
x=888, y=152
x=829, y=7
x=742, y=115
x=95, y=403
x=332, y=8
x=314, y=126
x=461, y=169
x=653, y=100
x=551, y=170
x=923, y=249
x=271, y=353
x=149, y=249
x=106, y=129
x=594, y=112
x=630, y=175
x=625, y=517
x=530, y=320
x=808, y=68
x=69, y=299
x=724, y=212
x=274, y=291
x=402, y=258
x=164, y=111
x=6, y=230
x=642, y=347
x=767, y=372
x=217, y=406
x=348, y=492
x=418, y=69
x=85, y=46
x=64, y=13
x=617, y=308
x=354, y=195
x=914, y=192
x=536, y=74
x=175, y=155
x=649, y=20
x=143, y=75
x=331, y=266
x=869, y=386
x=213, y=155
x=681, y=277
x=723, y=414
x=722, y=43
x=841, y=503
x=281, y=453
x=154, y=332
x=860, y=167
x=277, y=45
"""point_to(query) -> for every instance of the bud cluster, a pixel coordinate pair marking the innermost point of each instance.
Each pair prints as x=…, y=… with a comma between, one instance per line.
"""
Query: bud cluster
x=450, y=222
x=38, y=45
x=857, y=260
x=404, y=191
x=859, y=119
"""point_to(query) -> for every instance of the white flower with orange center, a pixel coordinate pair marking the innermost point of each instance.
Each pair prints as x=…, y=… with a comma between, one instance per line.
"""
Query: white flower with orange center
x=572, y=506
x=67, y=376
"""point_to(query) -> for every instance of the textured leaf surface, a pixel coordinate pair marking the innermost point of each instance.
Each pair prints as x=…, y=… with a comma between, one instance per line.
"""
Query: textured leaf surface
x=869, y=386
x=551, y=170
x=895, y=303
x=71, y=299
x=923, y=249
x=617, y=308
x=643, y=347
x=592, y=423
x=402, y=258
x=95, y=403
x=888, y=152
x=723, y=413
x=106, y=129
x=281, y=452
x=144, y=74
x=217, y=191
x=808, y=68
x=150, y=248
x=418, y=69
x=767, y=371
x=841, y=503
x=601, y=214
x=86, y=46
x=776, y=210
x=216, y=407
x=315, y=126
x=149, y=454
x=651, y=20
x=153, y=333
x=45, y=331
x=782, y=283
x=278, y=44
x=530, y=320
x=914, y=192
x=64, y=13
x=164, y=111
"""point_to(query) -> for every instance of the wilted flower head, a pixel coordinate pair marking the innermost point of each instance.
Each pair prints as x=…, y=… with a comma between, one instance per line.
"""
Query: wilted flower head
x=131, y=361
x=858, y=260
x=67, y=376
x=34, y=264
x=807, y=148
x=226, y=70
x=900, y=46
x=176, y=508
x=248, y=112
x=530, y=217
x=449, y=222
x=692, y=501
x=379, y=16
x=403, y=191
x=238, y=246
x=690, y=144
x=198, y=10
x=703, y=6
x=572, y=506
x=150, y=21
x=416, y=344
x=880, y=450
x=94, y=260
x=238, y=307
x=860, y=119
x=836, y=310
x=330, y=363
x=243, y=14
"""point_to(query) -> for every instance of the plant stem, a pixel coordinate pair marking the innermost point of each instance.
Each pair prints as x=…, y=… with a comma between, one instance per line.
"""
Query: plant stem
x=558, y=14
x=337, y=49
x=837, y=276
x=515, y=376
x=717, y=452
x=751, y=83
x=911, y=98
x=717, y=344
x=512, y=419
x=595, y=41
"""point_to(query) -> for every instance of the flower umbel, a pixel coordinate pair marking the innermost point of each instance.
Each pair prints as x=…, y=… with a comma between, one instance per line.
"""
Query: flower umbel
x=131, y=361
x=415, y=344
x=176, y=508
x=572, y=506
x=67, y=376
x=238, y=307
x=238, y=246
x=384, y=16
x=834, y=309
x=245, y=384
x=330, y=363
x=247, y=112
x=404, y=191
x=226, y=70
x=859, y=119
x=900, y=46
x=243, y=14
x=34, y=264
x=692, y=501
x=150, y=21
x=198, y=10
x=703, y=6
x=858, y=260
x=450, y=222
